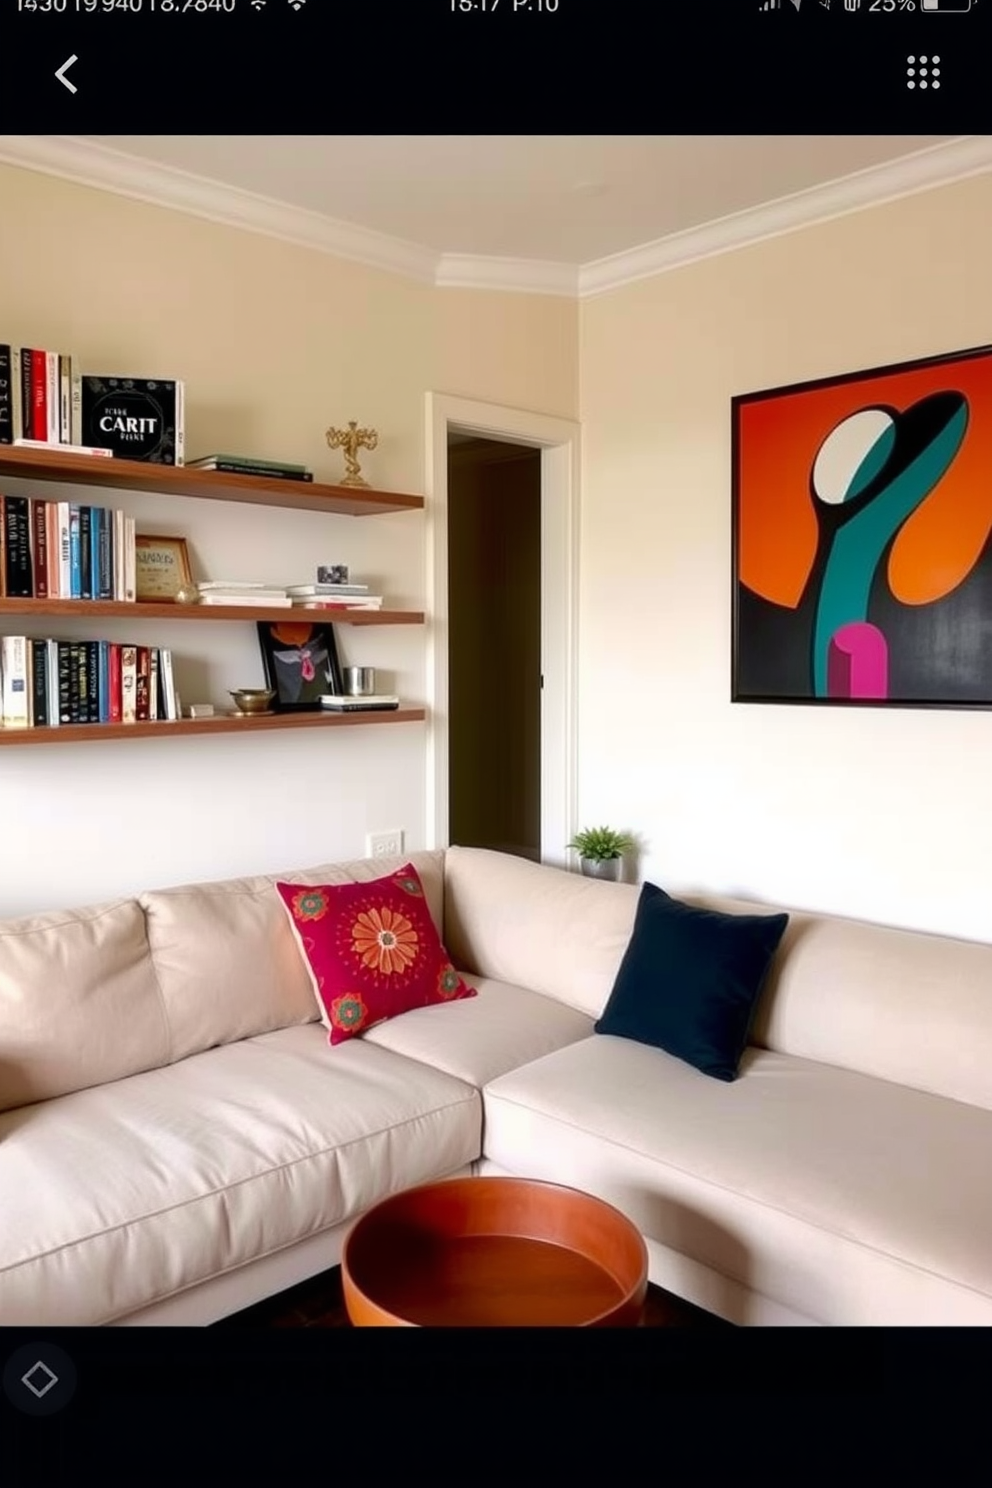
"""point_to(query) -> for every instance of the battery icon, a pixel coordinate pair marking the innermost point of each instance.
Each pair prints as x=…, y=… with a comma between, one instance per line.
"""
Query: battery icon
x=945, y=6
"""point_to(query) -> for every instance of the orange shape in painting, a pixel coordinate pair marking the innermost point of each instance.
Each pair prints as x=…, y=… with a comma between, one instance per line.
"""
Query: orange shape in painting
x=779, y=438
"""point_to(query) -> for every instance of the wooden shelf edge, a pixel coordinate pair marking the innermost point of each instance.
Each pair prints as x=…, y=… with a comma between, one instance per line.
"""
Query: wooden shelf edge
x=210, y=485
x=79, y=733
x=108, y=609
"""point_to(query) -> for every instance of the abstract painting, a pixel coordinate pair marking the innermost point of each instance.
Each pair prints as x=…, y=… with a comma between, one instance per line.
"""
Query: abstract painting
x=862, y=555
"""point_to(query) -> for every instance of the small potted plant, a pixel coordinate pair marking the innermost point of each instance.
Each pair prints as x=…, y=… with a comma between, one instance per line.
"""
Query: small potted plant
x=601, y=850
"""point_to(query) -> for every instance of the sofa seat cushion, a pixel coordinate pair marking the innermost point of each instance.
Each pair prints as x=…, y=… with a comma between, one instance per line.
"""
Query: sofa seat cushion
x=124, y=1195
x=847, y=1198
x=482, y=1037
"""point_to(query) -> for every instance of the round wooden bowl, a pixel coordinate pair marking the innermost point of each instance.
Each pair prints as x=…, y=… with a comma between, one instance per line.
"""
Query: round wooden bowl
x=494, y=1252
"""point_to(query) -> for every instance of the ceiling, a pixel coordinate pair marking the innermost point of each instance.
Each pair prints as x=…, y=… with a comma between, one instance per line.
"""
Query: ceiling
x=556, y=213
x=568, y=198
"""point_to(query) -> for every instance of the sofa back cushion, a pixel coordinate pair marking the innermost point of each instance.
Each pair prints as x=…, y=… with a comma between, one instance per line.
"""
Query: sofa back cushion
x=901, y=1005
x=539, y=927
x=79, y=1003
x=227, y=961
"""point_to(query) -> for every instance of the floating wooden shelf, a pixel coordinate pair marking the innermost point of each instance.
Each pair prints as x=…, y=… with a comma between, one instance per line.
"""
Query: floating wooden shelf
x=212, y=485
x=224, y=723
x=108, y=609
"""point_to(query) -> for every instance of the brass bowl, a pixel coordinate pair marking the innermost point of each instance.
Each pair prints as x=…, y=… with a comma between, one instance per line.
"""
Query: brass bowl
x=253, y=699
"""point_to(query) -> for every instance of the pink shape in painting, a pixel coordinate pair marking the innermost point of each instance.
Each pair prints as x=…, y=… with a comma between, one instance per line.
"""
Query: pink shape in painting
x=858, y=662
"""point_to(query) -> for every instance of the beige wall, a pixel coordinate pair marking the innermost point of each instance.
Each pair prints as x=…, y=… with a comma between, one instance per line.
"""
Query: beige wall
x=275, y=343
x=880, y=814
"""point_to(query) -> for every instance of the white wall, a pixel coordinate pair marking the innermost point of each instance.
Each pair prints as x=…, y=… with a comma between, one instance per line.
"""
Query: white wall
x=274, y=342
x=878, y=814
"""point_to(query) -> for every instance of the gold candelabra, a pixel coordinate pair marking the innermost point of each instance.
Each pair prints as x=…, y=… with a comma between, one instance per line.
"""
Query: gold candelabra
x=351, y=440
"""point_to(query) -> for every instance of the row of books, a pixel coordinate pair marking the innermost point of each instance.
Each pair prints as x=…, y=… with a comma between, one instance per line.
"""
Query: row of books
x=47, y=683
x=45, y=400
x=61, y=550
x=40, y=396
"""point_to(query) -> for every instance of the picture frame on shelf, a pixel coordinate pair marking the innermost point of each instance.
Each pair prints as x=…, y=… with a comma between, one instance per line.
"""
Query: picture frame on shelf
x=301, y=663
x=162, y=567
x=862, y=538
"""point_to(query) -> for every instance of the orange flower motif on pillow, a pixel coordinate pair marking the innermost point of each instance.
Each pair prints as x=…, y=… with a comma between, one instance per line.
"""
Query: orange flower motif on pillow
x=372, y=950
x=385, y=940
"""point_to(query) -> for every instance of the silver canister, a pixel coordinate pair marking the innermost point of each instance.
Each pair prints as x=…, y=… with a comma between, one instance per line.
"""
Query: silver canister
x=359, y=681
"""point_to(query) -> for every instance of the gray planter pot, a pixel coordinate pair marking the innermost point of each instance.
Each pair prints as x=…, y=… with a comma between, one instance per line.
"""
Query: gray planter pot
x=608, y=868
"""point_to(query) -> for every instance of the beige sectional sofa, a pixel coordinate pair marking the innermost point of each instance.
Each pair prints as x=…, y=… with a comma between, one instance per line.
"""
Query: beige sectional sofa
x=178, y=1139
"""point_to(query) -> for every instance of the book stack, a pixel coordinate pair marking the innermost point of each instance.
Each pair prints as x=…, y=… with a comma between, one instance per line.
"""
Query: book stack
x=333, y=597
x=48, y=683
x=233, y=592
x=252, y=465
x=40, y=397
x=380, y=702
x=63, y=550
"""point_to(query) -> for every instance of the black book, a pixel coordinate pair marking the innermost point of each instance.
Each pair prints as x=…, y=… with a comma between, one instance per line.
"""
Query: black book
x=139, y=418
x=92, y=714
x=39, y=674
x=65, y=681
x=85, y=553
x=104, y=588
x=77, y=682
x=20, y=572
x=7, y=431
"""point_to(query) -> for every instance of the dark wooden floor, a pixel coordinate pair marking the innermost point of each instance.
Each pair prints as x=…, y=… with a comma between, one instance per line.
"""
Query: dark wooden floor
x=318, y=1303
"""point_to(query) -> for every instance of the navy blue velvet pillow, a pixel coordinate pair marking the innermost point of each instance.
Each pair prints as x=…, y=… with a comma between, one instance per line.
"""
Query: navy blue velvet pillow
x=690, y=979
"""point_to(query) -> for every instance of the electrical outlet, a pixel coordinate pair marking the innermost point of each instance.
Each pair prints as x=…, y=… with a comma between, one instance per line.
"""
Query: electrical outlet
x=384, y=844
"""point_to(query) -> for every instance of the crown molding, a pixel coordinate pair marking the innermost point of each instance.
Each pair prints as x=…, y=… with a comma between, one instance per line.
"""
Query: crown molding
x=940, y=165
x=90, y=164
x=523, y=275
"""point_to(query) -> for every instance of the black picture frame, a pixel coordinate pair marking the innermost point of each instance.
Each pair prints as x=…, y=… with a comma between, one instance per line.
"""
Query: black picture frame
x=316, y=648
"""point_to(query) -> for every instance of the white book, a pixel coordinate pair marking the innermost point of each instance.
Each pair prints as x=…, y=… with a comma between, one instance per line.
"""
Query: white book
x=53, y=395
x=64, y=449
x=168, y=683
x=154, y=662
x=346, y=602
x=130, y=560
x=261, y=601
x=229, y=585
x=65, y=398
x=120, y=583
x=52, y=683
x=180, y=423
x=16, y=681
x=76, y=404
x=129, y=684
x=328, y=591
x=65, y=552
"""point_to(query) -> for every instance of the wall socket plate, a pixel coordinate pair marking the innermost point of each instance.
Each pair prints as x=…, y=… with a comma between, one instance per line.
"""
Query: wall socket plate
x=384, y=844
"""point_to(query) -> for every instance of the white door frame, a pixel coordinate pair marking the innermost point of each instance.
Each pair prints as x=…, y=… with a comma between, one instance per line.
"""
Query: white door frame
x=558, y=441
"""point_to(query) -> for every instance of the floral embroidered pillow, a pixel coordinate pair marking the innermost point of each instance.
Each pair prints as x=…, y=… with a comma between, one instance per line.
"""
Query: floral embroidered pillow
x=372, y=949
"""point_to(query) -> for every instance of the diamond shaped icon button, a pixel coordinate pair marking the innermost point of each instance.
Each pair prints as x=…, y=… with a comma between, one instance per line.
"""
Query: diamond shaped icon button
x=39, y=1378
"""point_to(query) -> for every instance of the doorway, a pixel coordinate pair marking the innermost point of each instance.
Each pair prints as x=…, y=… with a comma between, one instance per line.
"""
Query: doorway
x=494, y=645
x=555, y=443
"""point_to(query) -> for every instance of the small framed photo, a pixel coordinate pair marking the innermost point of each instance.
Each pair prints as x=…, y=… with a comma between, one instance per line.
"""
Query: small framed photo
x=301, y=663
x=162, y=567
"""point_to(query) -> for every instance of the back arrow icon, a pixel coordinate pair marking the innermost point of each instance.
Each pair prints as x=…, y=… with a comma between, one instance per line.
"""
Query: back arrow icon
x=61, y=74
